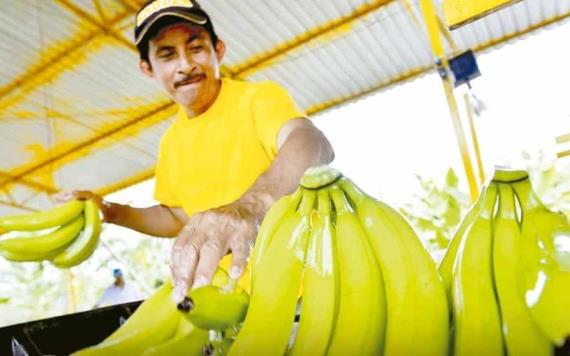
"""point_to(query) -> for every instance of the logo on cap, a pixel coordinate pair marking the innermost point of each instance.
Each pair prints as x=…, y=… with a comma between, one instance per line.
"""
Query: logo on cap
x=160, y=5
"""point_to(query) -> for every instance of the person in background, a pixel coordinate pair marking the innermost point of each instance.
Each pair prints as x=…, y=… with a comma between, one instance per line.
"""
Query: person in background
x=234, y=149
x=119, y=292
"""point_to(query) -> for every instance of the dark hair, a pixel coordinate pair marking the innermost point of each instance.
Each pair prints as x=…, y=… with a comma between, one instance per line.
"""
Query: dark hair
x=167, y=21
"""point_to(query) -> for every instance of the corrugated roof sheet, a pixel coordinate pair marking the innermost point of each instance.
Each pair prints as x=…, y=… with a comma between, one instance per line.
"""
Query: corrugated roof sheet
x=76, y=113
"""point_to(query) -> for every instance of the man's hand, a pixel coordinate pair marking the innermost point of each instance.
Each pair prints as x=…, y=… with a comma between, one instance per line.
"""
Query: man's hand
x=210, y=235
x=104, y=206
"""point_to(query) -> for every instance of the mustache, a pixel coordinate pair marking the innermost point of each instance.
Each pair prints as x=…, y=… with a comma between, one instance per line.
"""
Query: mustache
x=188, y=78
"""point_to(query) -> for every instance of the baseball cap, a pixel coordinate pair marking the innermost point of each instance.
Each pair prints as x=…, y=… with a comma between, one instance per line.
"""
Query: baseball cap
x=153, y=11
x=117, y=273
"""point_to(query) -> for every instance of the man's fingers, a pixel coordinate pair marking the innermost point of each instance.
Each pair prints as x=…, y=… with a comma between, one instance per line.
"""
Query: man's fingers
x=210, y=255
x=184, y=258
x=240, y=254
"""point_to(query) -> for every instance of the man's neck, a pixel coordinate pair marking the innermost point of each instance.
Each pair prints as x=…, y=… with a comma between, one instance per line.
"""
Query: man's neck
x=193, y=111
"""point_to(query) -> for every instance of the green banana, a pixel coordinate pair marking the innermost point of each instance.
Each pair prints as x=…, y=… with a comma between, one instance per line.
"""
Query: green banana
x=43, y=244
x=189, y=341
x=475, y=309
x=416, y=304
x=40, y=220
x=320, y=285
x=154, y=322
x=446, y=266
x=547, y=270
x=275, y=286
x=521, y=335
x=84, y=246
x=215, y=308
x=361, y=319
x=19, y=257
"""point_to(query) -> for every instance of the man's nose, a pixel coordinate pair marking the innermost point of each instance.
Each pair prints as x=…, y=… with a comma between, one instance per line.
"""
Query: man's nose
x=185, y=64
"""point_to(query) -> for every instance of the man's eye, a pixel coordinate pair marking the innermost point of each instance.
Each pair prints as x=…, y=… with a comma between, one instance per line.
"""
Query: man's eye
x=196, y=48
x=165, y=55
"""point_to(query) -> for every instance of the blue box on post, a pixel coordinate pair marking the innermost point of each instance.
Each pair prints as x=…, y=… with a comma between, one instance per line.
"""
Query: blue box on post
x=464, y=68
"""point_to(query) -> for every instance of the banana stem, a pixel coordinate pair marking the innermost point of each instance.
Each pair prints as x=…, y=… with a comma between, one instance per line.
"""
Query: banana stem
x=506, y=175
x=319, y=177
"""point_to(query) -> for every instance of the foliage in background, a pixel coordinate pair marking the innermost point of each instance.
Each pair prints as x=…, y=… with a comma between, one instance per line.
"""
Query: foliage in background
x=435, y=212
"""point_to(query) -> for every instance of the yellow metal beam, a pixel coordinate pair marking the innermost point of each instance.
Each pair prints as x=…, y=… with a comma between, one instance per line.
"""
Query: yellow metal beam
x=29, y=183
x=17, y=206
x=256, y=62
x=52, y=63
x=105, y=28
x=430, y=18
x=318, y=108
x=100, y=11
x=563, y=154
x=165, y=109
x=563, y=138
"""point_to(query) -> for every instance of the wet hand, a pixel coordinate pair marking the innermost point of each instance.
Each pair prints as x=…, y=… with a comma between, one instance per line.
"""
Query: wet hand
x=209, y=236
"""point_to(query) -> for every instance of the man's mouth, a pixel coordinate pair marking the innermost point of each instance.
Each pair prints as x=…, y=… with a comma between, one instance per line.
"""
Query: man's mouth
x=188, y=81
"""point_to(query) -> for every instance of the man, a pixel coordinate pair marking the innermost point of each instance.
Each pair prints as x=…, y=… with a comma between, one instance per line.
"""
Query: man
x=233, y=150
x=119, y=292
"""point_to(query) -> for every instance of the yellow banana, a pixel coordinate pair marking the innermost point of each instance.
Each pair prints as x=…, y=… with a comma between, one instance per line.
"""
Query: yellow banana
x=547, y=270
x=154, y=322
x=361, y=318
x=84, y=246
x=43, y=219
x=276, y=280
x=283, y=206
x=191, y=341
x=415, y=298
x=521, y=334
x=475, y=308
x=446, y=266
x=43, y=244
x=222, y=346
x=320, y=285
x=215, y=308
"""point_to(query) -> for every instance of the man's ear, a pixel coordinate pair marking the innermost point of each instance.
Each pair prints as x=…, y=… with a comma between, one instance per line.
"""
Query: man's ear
x=146, y=68
x=220, y=50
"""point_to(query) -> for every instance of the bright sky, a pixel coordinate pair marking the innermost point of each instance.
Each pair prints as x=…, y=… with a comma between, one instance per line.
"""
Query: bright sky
x=382, y=141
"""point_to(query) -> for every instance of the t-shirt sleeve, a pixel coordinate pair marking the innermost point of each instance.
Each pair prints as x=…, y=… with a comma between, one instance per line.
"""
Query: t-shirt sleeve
x=163, y=191
x=272, y=107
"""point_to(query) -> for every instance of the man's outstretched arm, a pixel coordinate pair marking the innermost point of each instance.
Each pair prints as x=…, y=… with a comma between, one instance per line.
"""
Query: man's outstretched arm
x=209, y=235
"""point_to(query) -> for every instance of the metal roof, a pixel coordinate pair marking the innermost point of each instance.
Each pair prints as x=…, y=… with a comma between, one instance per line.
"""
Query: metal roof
x=76, y=113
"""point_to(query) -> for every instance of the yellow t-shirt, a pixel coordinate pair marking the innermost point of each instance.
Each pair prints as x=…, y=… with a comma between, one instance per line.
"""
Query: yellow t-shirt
x=214, y=158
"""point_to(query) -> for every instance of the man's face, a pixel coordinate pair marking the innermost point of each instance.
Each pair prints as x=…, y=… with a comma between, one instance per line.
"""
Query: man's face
x=187, y=65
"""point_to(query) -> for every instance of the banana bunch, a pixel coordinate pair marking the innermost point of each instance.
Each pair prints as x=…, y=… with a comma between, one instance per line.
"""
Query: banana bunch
x=160, y=327
x=507, y=273
x=66, y=235
x=367, y=285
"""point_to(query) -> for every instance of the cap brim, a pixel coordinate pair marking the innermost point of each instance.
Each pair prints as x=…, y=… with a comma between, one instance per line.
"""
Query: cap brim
x=194, y=18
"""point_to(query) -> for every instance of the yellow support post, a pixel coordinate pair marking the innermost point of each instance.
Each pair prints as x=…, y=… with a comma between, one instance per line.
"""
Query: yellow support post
x=71, y=292
x=473, y=131
x=431, y=20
